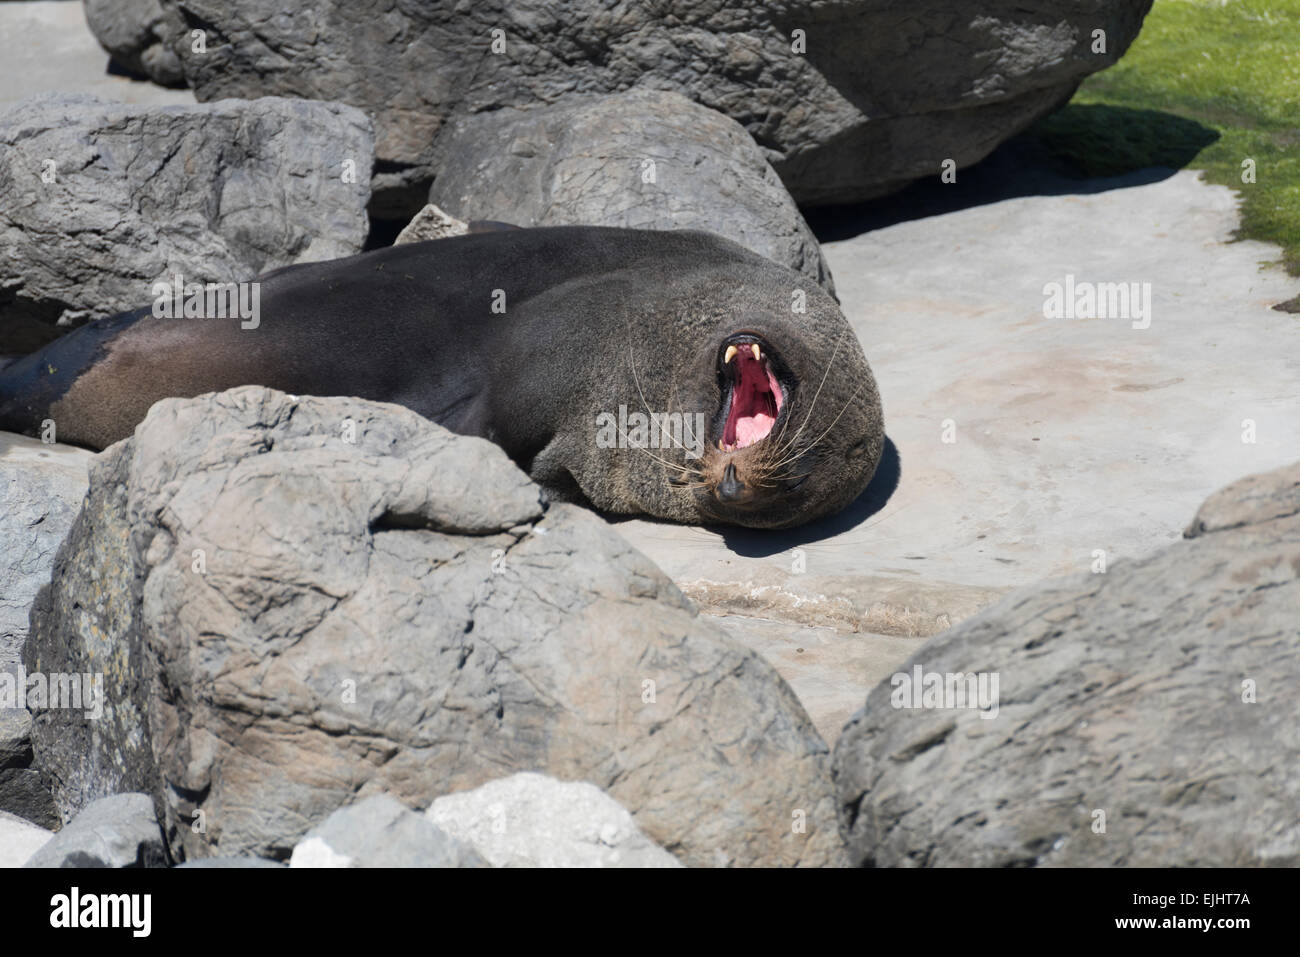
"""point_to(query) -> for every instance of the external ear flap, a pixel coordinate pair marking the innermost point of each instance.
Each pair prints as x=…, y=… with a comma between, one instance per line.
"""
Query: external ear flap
x=858, y=450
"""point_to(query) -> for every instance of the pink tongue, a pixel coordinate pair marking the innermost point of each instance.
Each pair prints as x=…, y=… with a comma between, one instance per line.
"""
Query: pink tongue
x=752, y=428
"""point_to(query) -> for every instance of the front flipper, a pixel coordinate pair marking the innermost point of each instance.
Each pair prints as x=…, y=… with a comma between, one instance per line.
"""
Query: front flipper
x=550, y=471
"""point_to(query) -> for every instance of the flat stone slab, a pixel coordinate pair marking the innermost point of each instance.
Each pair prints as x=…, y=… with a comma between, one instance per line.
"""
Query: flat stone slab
x=828, y=670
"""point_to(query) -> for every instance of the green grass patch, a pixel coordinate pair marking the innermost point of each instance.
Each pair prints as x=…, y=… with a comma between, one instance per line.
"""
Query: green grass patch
x=1206, y=85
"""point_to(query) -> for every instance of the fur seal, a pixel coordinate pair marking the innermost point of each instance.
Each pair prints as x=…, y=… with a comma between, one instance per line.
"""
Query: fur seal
x=559, y=344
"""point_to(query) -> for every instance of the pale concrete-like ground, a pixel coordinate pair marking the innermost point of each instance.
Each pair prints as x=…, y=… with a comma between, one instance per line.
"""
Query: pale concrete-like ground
x=46, y=46
x=1070, y=435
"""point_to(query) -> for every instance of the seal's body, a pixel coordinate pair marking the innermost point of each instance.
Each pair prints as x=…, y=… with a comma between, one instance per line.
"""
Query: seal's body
x=545, y=341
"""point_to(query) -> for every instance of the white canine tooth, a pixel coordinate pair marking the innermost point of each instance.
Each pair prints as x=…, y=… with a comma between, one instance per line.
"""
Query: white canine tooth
x=757, y=353
x=731, y=354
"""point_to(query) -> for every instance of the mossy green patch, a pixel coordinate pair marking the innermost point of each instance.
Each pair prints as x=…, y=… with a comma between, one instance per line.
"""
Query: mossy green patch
x=1207, y=85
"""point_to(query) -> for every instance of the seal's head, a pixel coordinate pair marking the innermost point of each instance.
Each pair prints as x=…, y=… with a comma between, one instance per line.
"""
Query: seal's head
x=785, y=424
x=796, y=431
x=792, y=422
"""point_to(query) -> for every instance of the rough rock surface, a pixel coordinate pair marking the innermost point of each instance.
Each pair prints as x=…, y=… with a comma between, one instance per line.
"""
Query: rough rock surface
x=867, y=95
x=218, y=192
x=138, y=35
x=431, y=223
x=1156, y=701
x=645, y=159
x=116, y=831
x=531, y=820
x=19, y=840
x=381, y=832
x=41, y=487
x=1250, y=501
x=289, y=621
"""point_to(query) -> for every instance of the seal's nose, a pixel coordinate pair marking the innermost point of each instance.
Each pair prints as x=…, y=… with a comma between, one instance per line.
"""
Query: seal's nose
x=730, y=489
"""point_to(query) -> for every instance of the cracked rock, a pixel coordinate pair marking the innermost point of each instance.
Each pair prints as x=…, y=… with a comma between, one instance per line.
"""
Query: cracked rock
x=301, y=602
x=100, y=200
x=848, y=100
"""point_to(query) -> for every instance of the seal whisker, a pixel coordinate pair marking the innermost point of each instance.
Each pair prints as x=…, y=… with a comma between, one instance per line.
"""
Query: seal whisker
x=829, y=365
x=689, y=486
x=628, y=443
x=631, y=361
x=662, y=461
x=817, y=441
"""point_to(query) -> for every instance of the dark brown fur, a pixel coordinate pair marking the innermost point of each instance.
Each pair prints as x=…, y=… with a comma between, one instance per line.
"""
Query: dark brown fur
x=595, y=318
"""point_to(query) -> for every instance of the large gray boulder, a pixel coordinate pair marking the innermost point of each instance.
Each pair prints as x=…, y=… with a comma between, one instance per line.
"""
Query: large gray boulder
x=300, y=602
x=1146, y=716
x=138, y=34
x=645, y=159
x=850, y=98
x=531, y=820
x=116, y=831
x=218, y=192
x=41, y=488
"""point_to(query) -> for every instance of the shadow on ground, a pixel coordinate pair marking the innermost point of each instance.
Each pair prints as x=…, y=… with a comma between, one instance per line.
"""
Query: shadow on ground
x=760, y=543
x=1080, y=149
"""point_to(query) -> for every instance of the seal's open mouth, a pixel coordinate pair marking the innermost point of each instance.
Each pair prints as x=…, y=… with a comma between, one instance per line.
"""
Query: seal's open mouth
x=752, y=396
